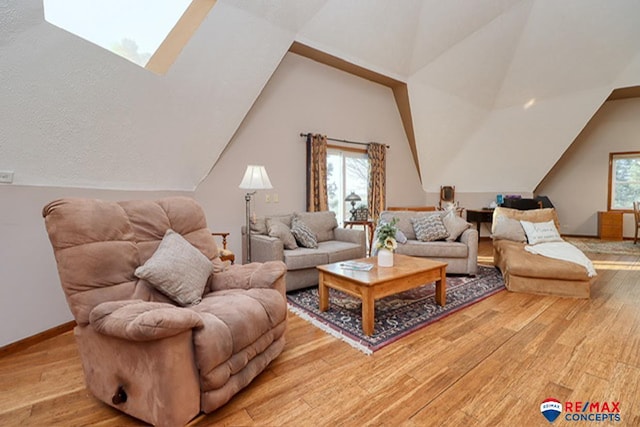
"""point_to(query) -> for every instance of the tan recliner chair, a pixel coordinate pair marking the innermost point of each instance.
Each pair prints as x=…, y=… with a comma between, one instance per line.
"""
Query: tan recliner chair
x=142, y=352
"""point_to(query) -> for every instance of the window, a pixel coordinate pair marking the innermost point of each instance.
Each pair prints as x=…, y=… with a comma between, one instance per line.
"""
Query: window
x=347, y=171
x=624, y=180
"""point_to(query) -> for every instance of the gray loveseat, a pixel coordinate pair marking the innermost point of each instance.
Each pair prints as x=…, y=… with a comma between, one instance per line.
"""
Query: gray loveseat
x=461, y=254
x=270, y=242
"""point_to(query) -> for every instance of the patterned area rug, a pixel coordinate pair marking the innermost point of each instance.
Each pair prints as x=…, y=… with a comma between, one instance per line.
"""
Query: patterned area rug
x=396, y=315
x=597, y=246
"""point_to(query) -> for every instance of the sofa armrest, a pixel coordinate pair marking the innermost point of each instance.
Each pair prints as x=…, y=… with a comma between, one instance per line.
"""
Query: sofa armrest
x=138, y=320
x=266, y=248
x=248, y=276
x=470, y=238
x=351, y=235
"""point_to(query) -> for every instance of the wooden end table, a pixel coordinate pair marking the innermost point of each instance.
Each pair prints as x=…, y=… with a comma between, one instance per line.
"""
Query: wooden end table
x=407, y=273
x=369, y=227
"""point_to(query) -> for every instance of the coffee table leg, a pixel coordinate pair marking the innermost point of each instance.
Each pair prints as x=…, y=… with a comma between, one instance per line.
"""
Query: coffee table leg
x=323, y=293
x=441, y=288
x=368, y=312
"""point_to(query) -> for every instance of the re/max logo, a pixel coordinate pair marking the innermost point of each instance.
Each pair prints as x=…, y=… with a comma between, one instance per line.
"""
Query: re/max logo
x=592, y=406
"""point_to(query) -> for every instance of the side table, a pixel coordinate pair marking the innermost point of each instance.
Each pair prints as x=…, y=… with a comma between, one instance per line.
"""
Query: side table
x=368, y=225
x=479, y=216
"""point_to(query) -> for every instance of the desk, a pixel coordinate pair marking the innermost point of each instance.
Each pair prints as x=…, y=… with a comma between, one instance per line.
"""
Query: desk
x=479, y=216
x=367, y=224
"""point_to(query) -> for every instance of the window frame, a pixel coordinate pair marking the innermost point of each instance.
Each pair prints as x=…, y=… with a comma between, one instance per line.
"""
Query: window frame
x=612, y=158
x=331, y=149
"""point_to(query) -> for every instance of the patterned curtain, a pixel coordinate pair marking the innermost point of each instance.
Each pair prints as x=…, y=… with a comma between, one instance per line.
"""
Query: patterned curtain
x=377, y=179
x=317, y=197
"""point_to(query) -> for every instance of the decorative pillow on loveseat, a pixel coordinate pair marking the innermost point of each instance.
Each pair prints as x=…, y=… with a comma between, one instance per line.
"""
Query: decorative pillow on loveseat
x=304, y=236
x=177, y=269
x=429, y=228
x=455, y=225
x=280, y=230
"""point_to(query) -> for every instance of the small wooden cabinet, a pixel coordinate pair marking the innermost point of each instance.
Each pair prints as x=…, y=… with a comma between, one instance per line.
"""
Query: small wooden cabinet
x=610, y=225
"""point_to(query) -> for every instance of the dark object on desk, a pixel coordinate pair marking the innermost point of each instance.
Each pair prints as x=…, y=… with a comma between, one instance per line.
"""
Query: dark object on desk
x=479, y=216
x=544, y=200
x=522, y=204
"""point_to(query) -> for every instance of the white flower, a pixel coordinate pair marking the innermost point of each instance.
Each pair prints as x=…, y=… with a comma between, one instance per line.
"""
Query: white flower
x=390, y=243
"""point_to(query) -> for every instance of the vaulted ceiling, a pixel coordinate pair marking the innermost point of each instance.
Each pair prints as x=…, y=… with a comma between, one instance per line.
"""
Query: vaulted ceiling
x=498, y=89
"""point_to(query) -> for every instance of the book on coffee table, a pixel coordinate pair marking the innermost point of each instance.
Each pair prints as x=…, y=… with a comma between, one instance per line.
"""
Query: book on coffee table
x=355, y=265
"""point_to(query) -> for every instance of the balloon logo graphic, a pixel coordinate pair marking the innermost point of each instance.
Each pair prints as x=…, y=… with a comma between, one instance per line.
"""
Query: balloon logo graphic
x=551, y=408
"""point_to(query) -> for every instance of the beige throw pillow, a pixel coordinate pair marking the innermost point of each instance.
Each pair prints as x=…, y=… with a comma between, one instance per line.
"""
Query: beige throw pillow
x=280, y=230
x=455, y=225
x=177, y=269
x=505, y=228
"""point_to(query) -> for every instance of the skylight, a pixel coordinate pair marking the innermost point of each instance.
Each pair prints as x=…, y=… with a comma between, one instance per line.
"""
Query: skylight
x=134, y=30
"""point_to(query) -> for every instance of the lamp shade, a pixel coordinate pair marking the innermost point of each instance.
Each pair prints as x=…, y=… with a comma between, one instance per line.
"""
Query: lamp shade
x=353, y=197
x=255, y=178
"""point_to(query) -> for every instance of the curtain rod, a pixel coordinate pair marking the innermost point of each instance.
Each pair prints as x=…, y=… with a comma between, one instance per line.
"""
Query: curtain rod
x=342, y=140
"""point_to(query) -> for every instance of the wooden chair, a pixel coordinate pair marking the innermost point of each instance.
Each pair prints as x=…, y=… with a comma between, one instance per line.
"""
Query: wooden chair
x=225, y=254
x=636, y=214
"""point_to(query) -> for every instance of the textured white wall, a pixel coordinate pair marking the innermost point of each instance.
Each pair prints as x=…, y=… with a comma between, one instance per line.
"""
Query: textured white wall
x=577, y=185
x=73, y=114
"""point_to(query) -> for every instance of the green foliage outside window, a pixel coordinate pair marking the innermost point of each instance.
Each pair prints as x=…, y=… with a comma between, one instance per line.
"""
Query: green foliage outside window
x=625, y=181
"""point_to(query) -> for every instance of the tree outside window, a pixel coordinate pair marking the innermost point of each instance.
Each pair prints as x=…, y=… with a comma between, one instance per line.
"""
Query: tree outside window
x=347, y=171
x=624, y=176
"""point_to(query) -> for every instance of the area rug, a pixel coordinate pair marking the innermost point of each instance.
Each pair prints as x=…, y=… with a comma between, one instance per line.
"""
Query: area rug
x=395, y=316
x=597, y=246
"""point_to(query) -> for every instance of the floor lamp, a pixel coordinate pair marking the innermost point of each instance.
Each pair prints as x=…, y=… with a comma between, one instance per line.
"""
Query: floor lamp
x=255, y=178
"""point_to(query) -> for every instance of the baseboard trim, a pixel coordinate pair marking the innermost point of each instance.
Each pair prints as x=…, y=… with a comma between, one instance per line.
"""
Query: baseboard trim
x=37, y=338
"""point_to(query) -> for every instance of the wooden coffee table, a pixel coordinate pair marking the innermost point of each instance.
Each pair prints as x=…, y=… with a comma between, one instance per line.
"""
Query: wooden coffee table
x=407, y=273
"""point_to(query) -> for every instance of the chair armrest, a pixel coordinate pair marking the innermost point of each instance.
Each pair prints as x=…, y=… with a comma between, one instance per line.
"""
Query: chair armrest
x=248, y=276
x=138, y=320
x=266, y=248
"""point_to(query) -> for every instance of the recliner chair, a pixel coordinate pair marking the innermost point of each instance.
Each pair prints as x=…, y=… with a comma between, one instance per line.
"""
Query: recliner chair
x=163, y=359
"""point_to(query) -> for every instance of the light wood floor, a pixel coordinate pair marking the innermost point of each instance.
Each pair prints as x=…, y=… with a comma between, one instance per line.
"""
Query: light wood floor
x=490, y=364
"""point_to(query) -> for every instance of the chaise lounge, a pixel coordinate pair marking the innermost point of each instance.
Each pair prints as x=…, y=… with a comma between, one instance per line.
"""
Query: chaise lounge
x=530, y=273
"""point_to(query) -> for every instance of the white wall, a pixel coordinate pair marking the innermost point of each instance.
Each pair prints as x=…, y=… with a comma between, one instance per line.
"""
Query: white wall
x=305, y=96
x=577, y=185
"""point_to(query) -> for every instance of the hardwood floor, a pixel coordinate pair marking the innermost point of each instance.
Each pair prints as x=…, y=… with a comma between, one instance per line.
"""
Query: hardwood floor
x=491, y=364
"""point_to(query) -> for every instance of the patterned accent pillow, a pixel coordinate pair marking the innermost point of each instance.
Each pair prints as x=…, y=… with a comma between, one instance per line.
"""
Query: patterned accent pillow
x=303, y=234
x=429, y=228
x=177, y=269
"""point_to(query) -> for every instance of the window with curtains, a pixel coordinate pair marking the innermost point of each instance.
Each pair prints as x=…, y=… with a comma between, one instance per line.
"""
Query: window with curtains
x=624, y=180
x=347, y=171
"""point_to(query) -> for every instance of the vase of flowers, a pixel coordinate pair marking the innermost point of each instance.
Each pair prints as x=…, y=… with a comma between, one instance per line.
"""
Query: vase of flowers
x=386, y=242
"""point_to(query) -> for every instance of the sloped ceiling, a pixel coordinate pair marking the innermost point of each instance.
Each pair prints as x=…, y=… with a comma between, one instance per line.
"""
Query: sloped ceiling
x=498, y=88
